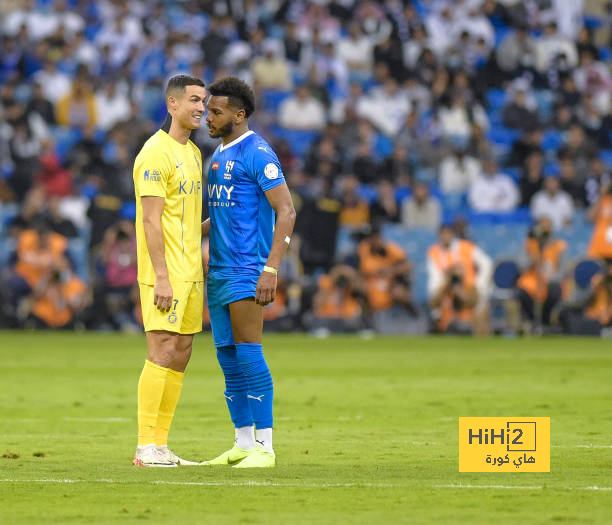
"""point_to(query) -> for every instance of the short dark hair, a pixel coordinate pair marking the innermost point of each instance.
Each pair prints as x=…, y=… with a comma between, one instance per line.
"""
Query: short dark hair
x=238, y=93
x=180, y=82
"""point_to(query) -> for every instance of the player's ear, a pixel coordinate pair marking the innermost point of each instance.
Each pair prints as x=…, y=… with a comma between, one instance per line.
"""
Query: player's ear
x=240, y=116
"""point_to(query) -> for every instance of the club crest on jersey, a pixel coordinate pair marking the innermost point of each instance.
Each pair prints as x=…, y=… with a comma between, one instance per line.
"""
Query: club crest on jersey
x=229, y=165
x=172, y=318
x=271, y=171
x=152, y=175
x=215, y=166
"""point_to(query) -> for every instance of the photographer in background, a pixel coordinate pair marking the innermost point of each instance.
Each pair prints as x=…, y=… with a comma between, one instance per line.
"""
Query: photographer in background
x=57, y=300
x=455, y=303
x=459, y=276
x=116, y=274
x=339, y=303
x=386, y=272
x=600, y=213
x=590, y=311
x=539, y=288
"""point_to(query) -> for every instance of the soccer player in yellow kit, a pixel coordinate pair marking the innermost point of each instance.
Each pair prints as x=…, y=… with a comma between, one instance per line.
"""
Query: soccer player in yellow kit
x=168, y=187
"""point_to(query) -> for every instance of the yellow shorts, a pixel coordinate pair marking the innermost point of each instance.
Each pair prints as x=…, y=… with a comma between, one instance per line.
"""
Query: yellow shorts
x=185, y=314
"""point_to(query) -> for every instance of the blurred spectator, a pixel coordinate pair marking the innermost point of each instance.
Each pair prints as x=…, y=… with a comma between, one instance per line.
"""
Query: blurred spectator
x=78, y=108
x=539, y=284
x=531, y=177
x=521, y=113
x=271, y=70
x=458, y=171
x=421, y=210
x=385, y=207
x=555, y=51
x=302, y=111
x=570, y=183
x=552, y=202
x=598, y=178
x=385, y=107
x=386, y=271
x=517, y=52
x=493, y=192
x=457, y=118
x=355, y=210
x=41, y=105
x=55, y=84
x=317, y=225
x=593, y=78
x=55, y=179
x=112, y=105
x=355, y=51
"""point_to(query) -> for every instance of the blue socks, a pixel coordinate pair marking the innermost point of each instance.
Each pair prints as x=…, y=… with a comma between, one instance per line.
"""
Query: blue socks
x=249, y=391
x=236, y=387
x=260, y=388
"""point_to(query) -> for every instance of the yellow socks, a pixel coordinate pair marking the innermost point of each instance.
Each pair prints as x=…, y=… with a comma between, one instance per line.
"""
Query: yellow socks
x=151, y=388
x=172, y=392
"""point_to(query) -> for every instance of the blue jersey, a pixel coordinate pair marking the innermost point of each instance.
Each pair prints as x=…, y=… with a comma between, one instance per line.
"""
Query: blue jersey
x=241, y=218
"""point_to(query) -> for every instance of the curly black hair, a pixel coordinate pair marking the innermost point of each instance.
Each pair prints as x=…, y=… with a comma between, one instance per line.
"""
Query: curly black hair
x=238, y=93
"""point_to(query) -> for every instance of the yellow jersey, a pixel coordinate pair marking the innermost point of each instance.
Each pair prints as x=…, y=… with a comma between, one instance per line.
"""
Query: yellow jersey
x=166, y=168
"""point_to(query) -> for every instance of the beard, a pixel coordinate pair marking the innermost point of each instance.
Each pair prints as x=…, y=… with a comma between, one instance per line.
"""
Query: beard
x=223, y=131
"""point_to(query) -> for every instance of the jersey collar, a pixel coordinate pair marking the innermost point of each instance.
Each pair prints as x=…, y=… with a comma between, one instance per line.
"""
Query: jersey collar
x=237, y=140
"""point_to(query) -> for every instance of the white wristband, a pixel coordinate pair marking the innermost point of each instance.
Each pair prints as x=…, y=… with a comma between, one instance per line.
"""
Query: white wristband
x=271, y=270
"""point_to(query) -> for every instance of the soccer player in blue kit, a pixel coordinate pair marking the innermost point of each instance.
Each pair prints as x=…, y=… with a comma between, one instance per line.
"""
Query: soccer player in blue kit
x=250, y=226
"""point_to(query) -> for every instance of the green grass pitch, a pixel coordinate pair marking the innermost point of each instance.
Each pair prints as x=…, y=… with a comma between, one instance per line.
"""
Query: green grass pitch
x=366, y=432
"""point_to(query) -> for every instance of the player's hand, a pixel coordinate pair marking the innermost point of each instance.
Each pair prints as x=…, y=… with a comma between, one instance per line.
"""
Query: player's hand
x=163, y=294
x=266, y=288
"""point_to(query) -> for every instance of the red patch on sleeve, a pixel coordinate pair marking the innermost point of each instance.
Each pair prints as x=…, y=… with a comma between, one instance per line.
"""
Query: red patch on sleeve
x=215, y=165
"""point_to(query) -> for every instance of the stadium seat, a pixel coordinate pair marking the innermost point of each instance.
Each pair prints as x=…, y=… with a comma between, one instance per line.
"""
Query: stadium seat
x=496, y=98
x=552, y=140
x=606, y=156
x=506, y=274
x=299, y=140
x=7, y=213
x=592, y=21
x=604, y=54
x=584, y=272
x=503, y=136
x=272, y=99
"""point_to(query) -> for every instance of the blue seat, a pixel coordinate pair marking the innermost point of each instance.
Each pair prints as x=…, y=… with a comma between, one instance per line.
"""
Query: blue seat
x=77, y=253
x=506, y=274
x=606, y=156
x=272, y=99
x=584, y=272
x=604, y=54
x=552, y=140
x=299, y=140
x=503, y=136
x=592, y=21
x=496, y=98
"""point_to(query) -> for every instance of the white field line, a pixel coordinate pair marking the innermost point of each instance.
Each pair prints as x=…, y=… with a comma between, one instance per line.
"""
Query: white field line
x=520, y=487
x=296, y=485
x=209, y=483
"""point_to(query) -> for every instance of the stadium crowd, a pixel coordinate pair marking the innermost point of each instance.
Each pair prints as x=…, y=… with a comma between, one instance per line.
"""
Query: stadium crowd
x=450, y=161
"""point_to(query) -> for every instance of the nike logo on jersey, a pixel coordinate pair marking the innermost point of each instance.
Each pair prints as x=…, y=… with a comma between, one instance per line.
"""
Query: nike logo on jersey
x=231, y=398
x=178, y=165
x=249, y=396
